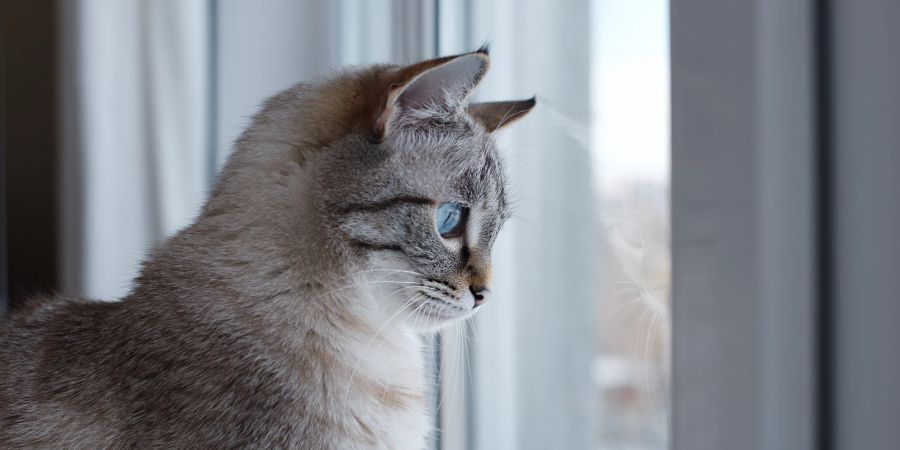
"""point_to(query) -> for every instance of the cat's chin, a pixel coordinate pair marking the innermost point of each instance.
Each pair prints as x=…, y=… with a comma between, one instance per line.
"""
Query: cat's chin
x=430, y=320
x=435, y=325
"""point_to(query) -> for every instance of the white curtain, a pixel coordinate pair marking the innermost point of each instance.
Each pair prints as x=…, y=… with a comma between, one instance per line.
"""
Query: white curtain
x=135, y=133
x=268, y=45
x=154, y=93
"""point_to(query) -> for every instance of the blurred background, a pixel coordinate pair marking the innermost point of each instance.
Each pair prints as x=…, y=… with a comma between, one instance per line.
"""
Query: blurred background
x=737, y=156
x=117, y=115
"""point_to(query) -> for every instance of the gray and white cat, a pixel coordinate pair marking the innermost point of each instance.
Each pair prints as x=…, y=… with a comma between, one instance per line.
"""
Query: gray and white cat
x=355, y=212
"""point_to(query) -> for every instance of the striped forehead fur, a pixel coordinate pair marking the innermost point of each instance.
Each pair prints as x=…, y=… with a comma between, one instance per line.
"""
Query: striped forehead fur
x=445, y=130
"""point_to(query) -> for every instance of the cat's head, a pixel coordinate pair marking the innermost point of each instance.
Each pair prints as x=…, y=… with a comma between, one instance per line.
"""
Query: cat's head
x=384, y=176
x=421, y=195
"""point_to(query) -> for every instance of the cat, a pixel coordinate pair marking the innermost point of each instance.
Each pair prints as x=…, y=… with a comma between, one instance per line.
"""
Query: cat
x=356, y=212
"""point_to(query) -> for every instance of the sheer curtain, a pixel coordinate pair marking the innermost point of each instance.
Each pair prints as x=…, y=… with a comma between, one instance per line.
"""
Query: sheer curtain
x=262, y=50
x=154, y=92
x=135, y=133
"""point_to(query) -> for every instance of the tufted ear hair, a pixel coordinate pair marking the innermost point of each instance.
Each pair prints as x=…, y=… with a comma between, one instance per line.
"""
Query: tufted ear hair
x=495, y=115
x=433, y=81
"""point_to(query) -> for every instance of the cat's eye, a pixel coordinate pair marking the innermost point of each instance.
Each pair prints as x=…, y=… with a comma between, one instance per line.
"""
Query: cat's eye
x=449, y=219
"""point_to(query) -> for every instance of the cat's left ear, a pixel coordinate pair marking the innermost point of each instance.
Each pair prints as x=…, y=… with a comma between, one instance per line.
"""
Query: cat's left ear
x=435, y=81
x=495, y=115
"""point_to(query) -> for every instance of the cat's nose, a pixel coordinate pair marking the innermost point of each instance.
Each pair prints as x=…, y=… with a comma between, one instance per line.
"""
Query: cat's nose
x=479, y=279
x=480, y=293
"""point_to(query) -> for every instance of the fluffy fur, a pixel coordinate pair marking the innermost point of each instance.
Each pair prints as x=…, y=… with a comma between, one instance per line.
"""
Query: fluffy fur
x=287, y=315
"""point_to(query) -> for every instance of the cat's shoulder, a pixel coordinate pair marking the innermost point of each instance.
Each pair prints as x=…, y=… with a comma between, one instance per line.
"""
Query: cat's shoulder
x=41, y=310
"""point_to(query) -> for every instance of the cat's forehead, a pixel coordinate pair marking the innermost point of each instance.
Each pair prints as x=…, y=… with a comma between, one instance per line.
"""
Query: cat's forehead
x=451, y=137
x=451, y=150
x=460, y=160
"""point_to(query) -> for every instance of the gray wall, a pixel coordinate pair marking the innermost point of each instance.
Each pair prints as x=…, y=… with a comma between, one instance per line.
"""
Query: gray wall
x=786, y=206
x=865, y=107
x=715, y=242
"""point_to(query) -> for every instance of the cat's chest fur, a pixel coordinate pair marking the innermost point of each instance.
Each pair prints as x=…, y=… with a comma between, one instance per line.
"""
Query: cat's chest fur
x=343, y=391
x=394, y=399
x=378, y=392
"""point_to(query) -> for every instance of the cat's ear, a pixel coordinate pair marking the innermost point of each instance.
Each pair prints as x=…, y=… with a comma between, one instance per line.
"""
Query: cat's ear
x=434, y=81
x=495, y=115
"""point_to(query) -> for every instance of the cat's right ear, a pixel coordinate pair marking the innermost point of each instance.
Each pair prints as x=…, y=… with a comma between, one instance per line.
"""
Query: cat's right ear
x=436, y=81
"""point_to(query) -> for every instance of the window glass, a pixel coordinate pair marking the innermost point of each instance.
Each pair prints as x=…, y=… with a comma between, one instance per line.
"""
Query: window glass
x=573, y=350
x=630, y=146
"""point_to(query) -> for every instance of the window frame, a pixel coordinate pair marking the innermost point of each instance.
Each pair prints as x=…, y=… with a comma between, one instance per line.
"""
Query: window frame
x=745, y=225
x=786, y=269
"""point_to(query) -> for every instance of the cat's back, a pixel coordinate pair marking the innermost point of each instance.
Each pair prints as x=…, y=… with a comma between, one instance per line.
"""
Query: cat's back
x=48, y=362
x=80, y=374
x=34, y=332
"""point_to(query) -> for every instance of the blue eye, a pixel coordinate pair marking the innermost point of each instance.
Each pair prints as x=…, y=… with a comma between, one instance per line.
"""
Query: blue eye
x=449, y=219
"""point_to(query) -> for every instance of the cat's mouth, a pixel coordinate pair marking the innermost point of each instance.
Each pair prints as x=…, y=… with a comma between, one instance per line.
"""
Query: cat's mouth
x=446, y=295
x=442, y=307
x=435, y=304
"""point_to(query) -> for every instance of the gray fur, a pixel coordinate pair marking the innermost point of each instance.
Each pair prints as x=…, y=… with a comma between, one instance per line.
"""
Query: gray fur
x=287, y=315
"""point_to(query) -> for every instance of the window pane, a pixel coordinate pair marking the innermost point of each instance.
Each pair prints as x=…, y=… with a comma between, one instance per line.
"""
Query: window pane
x=630, y=130
x=573, y=351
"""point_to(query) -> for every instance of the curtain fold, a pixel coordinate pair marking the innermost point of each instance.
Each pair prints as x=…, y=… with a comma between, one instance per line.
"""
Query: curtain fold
x=135, y=118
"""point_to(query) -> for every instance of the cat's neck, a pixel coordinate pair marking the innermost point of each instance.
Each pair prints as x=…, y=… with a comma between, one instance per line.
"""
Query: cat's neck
x=365, y=362
x=228, y=264
x=261, y=256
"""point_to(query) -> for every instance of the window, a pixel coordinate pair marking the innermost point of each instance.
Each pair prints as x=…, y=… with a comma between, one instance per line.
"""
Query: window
x=784, y=264
x=573, y=351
